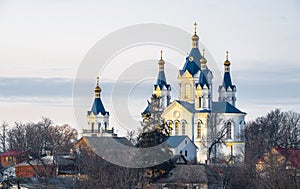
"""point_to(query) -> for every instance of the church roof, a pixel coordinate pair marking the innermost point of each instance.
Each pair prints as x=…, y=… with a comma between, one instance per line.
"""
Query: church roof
x=217, y=107
x=192, y=64
x=147, y=109
x=227, y=81
x=190, y=107
x=203, y=80
x=161, y=80
x=98, y=107
x=225, y=107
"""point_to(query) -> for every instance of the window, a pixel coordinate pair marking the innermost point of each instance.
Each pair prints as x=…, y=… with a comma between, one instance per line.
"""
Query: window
x=99, y=126
x=170, y=127
x=180, y=152
x=183, y=128
x=187, y=91
x=199, y=130
x=176, y=128
x=228, y=130
x=7, y=159
x=241, y=130
x=105, y=125
x=185, y=153
x=93, y=125
x=199, y=102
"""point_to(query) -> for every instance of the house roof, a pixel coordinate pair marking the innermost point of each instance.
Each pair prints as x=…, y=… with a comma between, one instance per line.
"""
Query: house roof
x=292, y=155
x=174, y=141
x=97, y=141
x=52, y=182
x=191, y=174
x=13, y=152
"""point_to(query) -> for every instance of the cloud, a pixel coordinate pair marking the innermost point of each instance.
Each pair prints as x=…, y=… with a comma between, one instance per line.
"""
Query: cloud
x=35, y=87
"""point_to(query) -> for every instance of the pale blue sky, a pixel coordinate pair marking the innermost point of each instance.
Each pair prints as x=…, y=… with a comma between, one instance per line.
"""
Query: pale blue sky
x=43, y=42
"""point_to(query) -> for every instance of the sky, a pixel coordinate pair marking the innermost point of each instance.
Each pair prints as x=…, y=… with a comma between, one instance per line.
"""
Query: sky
x=43, y=44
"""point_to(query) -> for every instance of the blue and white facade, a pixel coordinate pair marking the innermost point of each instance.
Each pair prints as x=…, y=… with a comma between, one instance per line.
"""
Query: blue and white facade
x=98, y=117
x=196, y=115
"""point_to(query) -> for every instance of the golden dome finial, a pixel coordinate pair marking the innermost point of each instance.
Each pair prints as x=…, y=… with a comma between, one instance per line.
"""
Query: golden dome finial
x=203, y=59
x=227, y=62
x=195, y=27
x=97, y=88
x=161, y=53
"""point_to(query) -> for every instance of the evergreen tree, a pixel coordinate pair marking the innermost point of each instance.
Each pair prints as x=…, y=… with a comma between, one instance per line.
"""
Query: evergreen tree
x=154, y=132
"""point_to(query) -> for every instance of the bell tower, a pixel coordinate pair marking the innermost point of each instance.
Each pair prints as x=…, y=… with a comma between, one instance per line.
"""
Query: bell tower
x=227, y=90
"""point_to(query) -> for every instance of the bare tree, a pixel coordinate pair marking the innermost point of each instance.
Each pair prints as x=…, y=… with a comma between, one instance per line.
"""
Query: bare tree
x=40, y=139
x=3, y=136
x=217, y=132
x=96, y=171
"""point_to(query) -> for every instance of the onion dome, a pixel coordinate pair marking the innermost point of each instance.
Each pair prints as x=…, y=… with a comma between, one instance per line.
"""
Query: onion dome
x=195, y=36
x=227, y=62
x=161, y=60
x=97, y=89
x=203, y=59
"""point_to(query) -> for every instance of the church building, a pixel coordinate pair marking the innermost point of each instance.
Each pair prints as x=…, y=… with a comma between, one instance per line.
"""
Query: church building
x=196, y=115
x=98, y=117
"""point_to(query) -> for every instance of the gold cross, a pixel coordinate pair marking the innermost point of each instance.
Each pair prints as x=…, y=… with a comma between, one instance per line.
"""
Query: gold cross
x=195, y=27
x=226, y=55
x=97, y=80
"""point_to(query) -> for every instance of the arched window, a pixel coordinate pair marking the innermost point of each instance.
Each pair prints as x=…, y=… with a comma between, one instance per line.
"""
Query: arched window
x=170, y=127
x=99, y=126
x=93, y=125
x=228, y=130
x=187, y=91
x=200, y=101
x=183, y=128
x=241, y=130
x=199, y=130
x=105, y=125
x=176, y=128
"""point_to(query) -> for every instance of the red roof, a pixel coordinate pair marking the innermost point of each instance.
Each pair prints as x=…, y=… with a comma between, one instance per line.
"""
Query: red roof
x=292, y=155
x=13, y=152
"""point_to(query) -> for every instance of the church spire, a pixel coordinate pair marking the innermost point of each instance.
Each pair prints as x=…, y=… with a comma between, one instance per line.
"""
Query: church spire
x=227, y=79
x=162, y=88
x=227, y=89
